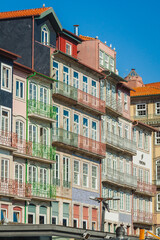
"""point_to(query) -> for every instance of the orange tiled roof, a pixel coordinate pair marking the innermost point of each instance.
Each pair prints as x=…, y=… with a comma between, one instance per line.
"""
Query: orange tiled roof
x=86, y=37
x=23, y=13
x=148, y=89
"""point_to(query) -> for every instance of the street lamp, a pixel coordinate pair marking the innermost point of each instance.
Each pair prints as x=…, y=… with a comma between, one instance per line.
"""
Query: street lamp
x=105, y=205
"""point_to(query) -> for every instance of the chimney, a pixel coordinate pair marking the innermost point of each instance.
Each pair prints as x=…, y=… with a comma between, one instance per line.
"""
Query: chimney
x=43, y=5
x=76, y=29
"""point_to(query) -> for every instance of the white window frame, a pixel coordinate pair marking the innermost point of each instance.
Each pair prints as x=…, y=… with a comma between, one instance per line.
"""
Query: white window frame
x=157, y=138
x=141, y=110
x=4, y=209
x=128, y=202
x=66, y=174
x=76, y=172
x=68, y=48
x=9, y=122
x=111, y=64
x=66, y=75
x=45, y=218
x=106, y=61
x=158, y=202
x=19, y=178
x=85, y=222
x=56, y=167
x=5, y=174
x=125, y=102
x=55, y=218
x=15, y=211
x=19, y=89
x=140, y=139
x=75, y=219
x=33, y=214
x=46, y=31
x=66, y=221
x=121, y=205
x=94, y=88
x=101, y=58
x=157, y=108
x=86, y=175
x=76, y=125
x=76, y=80
x=9, y=88
x=94, y=178
x=19, y=131
x=56, y=69
x=146, y=142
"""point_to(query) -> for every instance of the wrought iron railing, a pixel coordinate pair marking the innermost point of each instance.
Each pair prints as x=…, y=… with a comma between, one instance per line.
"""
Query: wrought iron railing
x=41, y=108
x=122, y=143
x=114, y=104
x=79, y=96
x=118, y=177
x=66, y=184
x=146, y=188
x=81, y=142
x=56, y=181
x=150, y=119
x=142, y=216
x=8, y=139
x=43, y=190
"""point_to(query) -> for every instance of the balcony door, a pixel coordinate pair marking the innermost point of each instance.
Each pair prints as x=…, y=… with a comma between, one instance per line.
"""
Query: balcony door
x=5, y=186
x=33, y=138
x=66, y=124
x=76, y=124
x=43, y=182
x=66, y=173
x=43, y=142
x=32, y=95
x=43, y=99
x=32, y=177
x=19, y=180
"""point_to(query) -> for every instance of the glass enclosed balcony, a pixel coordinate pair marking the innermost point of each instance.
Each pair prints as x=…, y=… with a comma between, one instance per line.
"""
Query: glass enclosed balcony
x=119, y=143
x=77, y=97
x=82, y=144
x=41, y=110
x=15, y=189
x=43, y=190
x=119, y=178
x=113, y=105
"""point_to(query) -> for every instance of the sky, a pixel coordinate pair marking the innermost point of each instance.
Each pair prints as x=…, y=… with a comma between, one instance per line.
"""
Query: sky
x=131, y=26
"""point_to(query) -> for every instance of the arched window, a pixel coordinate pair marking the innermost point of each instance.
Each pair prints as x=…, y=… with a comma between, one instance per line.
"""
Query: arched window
x=45, y=35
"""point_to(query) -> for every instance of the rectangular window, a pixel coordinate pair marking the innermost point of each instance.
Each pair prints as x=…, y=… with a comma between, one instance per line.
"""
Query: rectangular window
x=102, y=89
x=128, y=202
x=121, y=165
x=115, y=203
x=3, y=213
x=146, y=176
x=68, y=49
x=85, y=175
x=57, y=115
x=4, y=170
x=66, y=75
x=94, y=130
x=141, y=109
x=5, y=120
x=110, y=195
x=54, y=220
x=140, y=205
x=32, y=174
x=126, y=132
x=65, y=222
x=121, y=201
x=55, y=70
x=125, y=101
x=158, y=202
x=127, y=167
x=6, y=77
x=120, y=129
x=19, y=173
x=135, y=204
x=76, y=127
x=43, y=178
x=111, y=64
x=146, y=141
x=56, y=179
x=135, y=171
x=19, y=89
x=100, y=58
x=157, y=138
x=140, y=139
x=119, y=96
x=76, y=172
x=85, y=127
x=94, y=177
x=66, y=120
x=66, y=172
x=94, y=88
x=75, y=79
x=85, y=84
x=16, y=216
x=84, y=224
x=140, y=175
x=75, y=223
x=106, y=61
x=134, y=135
x=19, y=131
x=157, y=108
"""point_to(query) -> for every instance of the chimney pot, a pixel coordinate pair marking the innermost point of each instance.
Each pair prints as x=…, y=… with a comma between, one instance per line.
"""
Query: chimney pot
x=76, y=29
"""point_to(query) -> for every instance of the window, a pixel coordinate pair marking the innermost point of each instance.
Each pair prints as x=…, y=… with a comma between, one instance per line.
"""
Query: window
x=42, y=219
x=16, y=216
x=146, y=206
x=94, y=88
x=54, y=220
x=76, y=172
x=75, y=223
x=115, y=203
x=158, y=202
x=146, y=176
x=102, y=89
x=75, y=79
x=119, y=96
x=85, y=84
x=134, y=135
x=55, y=70
x=127, y=167
x=56, y=179
x=65, y=222
x=158, y=231
x=32, y=174
x=66, y=173
x=140, y=175
x=109, y=227
x=140, y=139
x=84, y=224
x=19, y=130
x=85, y=127
x=66, y=120
x=125, y=101
x=146, y=141
x=135, y=204
x=43, y=97
x=140, y=204
x=45, y=35
x=94, y=177
x=76, y=124
x=31, y=218
x=43, y=136
x=3, y=213
x=121, y=165
x=115, y=226
x=113, y=95
x=106, y=61
x=32, y=91
x=121, y=201
x=19, y=173
x=135, y=171
x=85, y=175
x=113, y=126
x=66, y=75
x=19, y=89
x=6, y=77
x=68, y=49
x=32, y=133
x=112, y=64
x=126, y=132
x=157, y=138
x=128, y=202
x=158, y=171
x=4, y=170
x=94, y=130
x=93, y=225
x=120, y=129
x=5, y=121
x=110, y=195
x=43, y=178
x=101, y=58
x=141, y=110
x=157, y=108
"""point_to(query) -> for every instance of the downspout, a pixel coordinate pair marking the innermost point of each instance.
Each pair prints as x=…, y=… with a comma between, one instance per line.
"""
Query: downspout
x=100, y=195
x=32, y=42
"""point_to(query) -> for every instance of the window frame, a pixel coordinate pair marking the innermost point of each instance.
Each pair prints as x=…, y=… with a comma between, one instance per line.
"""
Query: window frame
x=19, y=90
x=48, y=35
x=141, y=110
x=9, y=89
x=86, y=174
x=75, y=172
x=3, y=108
x=158, y=202
x=70, y=48
x=95, y=178
x=157, y=108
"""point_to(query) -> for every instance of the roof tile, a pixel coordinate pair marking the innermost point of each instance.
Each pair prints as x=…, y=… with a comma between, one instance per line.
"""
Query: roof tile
x=23, y=13
x=148, y=89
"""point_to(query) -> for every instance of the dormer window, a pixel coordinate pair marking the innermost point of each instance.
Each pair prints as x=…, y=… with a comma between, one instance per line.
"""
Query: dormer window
x=45, y=35
x=68, y=49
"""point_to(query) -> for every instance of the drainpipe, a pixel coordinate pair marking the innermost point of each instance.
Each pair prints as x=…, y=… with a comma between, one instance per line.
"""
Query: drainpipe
x=100, y=194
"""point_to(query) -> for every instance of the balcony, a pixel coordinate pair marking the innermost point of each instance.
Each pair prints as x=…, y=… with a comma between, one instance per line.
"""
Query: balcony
x=78, y=143
x=142, y=217
x=41, y=110
x=56, y=181
x=36, y=151
x=66, y=184
x=7, y=140
x=150, y=119
x=79, y=98
x=146, y=188
x=14, y=189
x=113, y=106
x=42, y=190
x=119, y=143
x=122, y=179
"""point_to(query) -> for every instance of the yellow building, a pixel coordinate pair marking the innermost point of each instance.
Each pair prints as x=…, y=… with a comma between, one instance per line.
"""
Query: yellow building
x=145, y=107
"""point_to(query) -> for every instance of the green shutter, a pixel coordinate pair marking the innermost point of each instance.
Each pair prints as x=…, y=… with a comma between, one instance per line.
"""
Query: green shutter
x=66, y=210
x=55, y=209
x=43, y=210
x=32, y=208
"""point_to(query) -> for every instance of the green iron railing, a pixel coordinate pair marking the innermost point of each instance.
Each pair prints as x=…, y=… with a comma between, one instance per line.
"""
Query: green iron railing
x=66, y=184
x=43, y=190
x=56, y=181
x=65, y=90
x=42, y=109
x=43, y=151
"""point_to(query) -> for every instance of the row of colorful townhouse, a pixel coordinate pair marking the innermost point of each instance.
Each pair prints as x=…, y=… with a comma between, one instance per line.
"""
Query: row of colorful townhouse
x=66, y=132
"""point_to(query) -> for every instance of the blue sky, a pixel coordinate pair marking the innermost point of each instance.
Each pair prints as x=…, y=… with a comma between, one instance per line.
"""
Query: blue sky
x=131, y=26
